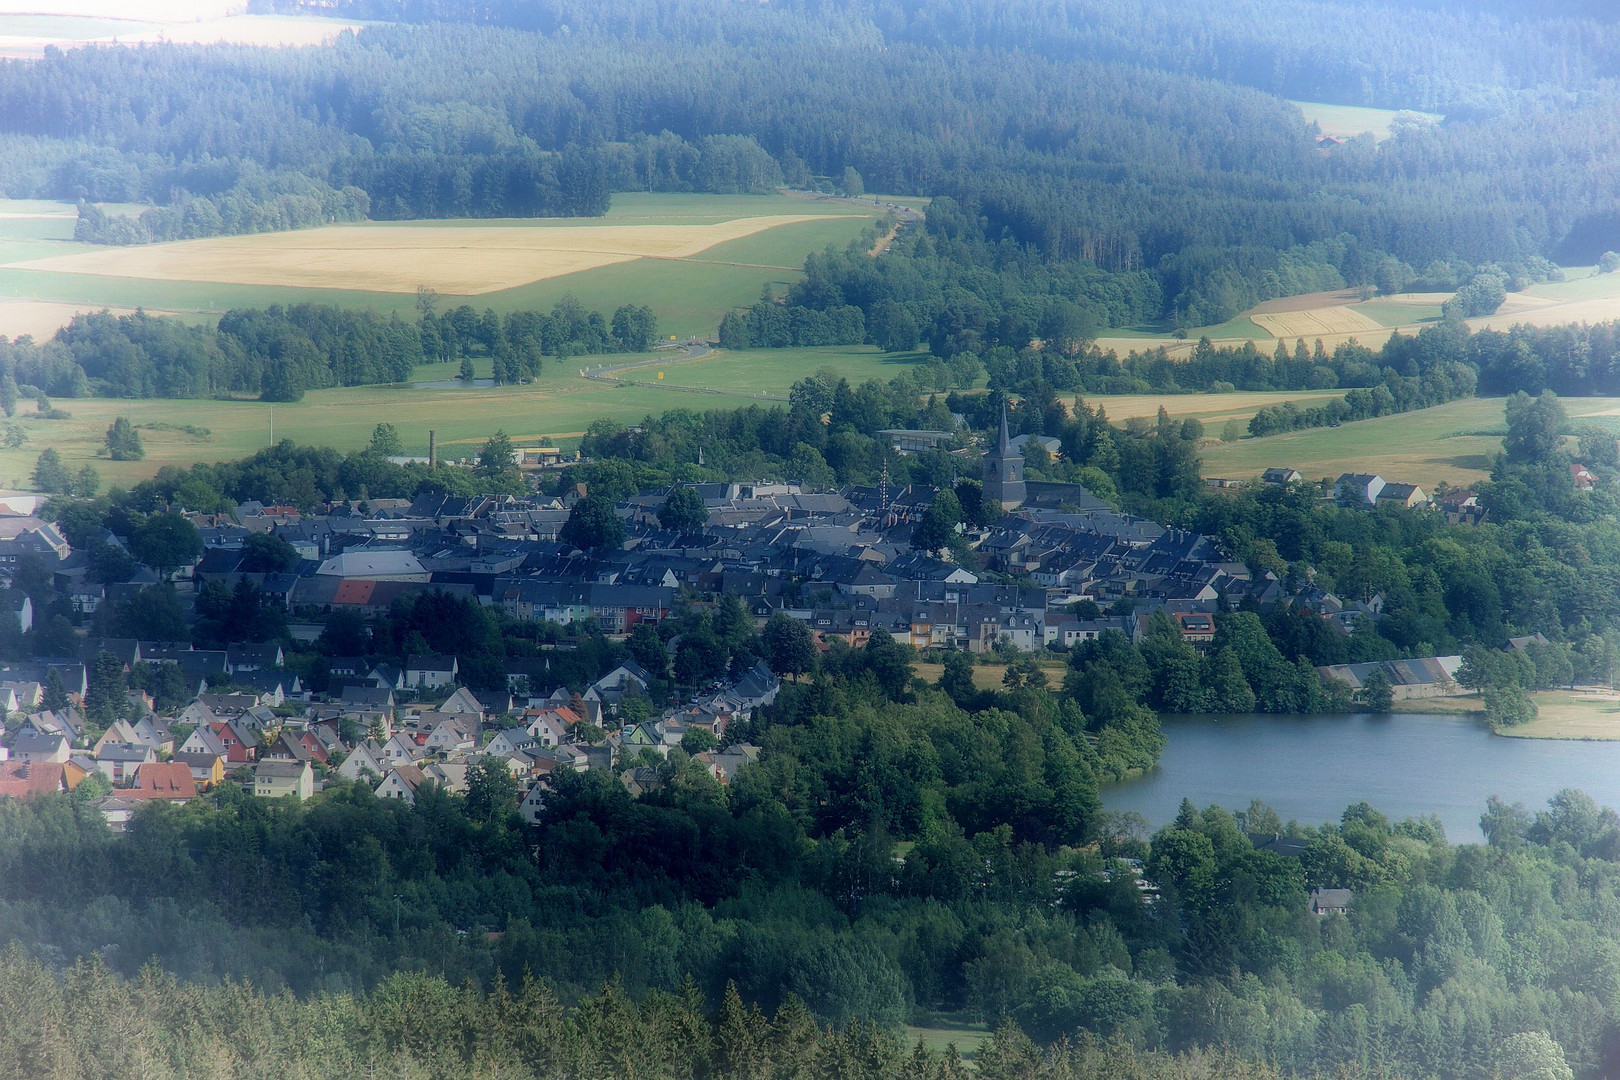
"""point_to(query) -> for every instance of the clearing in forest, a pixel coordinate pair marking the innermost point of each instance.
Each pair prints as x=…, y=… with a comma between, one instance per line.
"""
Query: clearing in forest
x=464, y=260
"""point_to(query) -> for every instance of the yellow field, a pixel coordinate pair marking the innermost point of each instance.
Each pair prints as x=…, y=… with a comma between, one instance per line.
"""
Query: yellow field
x=42, y=318
x=1318, y=322
x=459, y=260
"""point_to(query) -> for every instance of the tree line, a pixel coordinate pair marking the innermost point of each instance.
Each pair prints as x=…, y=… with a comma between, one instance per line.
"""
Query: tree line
x=279, y=352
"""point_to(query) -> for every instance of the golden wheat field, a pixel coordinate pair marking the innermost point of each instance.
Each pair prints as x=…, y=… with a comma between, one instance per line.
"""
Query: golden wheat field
x=1315, y=322
x=42, y=318
x=464, y=260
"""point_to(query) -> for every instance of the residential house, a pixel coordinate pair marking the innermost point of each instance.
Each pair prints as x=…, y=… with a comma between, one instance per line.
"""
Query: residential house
x=1584, y=479
x=1197, y=628
x=429, y=672
x=244, y=658
x=1461, y=506
x=1330, y=901
x=505, y=743
x=207, y=770
x=280, y=779
x=168, y=780
x=241, y=745
x=1276, y=475
x=549, y=727
x=1358, y=489
x=1408, y=495
x=628, y=678
x=401, y=749
x=451, y=735
x=204, y=740
x=366, y=757
x=21, y=609
x=402, y=783
x=463, y=701
x=119, y=761
x=450, y=775
x=23, y=779
x=533, y=805
x=38, y=747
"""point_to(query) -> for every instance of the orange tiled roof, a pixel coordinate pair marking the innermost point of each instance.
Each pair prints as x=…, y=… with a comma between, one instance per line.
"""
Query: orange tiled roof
x=354, y=591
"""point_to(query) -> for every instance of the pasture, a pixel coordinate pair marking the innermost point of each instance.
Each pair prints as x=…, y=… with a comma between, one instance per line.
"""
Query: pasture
x=559, y=405
x=1454, y=442
x=690, y=289
x=1425, y=447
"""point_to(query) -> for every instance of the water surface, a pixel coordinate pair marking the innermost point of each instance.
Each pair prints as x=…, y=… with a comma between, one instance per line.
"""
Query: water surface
x=1405, y=764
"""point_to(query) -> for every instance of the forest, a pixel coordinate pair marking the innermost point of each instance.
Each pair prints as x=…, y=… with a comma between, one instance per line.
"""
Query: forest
x=1175, y=171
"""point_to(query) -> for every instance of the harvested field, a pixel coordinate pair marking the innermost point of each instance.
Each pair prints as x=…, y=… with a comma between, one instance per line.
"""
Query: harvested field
x=42, y=318
x=1316, y=322
x=462, y=260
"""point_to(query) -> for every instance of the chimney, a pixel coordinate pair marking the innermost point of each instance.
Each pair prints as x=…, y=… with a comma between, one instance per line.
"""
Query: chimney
x=433, y=449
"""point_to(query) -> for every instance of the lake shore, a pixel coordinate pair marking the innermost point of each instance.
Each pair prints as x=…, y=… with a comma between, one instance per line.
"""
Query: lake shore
x=1589, y=714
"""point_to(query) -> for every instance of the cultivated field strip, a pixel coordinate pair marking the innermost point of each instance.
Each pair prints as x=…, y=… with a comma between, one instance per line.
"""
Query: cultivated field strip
x=1314, y=322
x=466, y=260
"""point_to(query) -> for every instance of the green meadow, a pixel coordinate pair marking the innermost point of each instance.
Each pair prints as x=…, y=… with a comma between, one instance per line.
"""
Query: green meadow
x=559, y=405
x=1455, y=442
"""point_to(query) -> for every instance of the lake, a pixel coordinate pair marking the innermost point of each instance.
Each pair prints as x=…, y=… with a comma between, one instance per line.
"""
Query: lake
x=1404, y=764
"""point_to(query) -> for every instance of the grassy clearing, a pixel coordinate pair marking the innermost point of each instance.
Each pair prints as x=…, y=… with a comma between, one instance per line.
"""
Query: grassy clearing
x=989, y=676
x=1569, y=714
x=939, y=1032
x=1389, y=313
x=1348, y=121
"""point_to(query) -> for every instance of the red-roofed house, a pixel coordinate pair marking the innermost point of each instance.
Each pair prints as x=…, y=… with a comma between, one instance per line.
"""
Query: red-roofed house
x=22, y=779
x=170, y=780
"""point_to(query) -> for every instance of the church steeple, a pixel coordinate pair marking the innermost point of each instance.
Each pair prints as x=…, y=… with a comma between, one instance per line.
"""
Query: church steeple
x=1004, y=470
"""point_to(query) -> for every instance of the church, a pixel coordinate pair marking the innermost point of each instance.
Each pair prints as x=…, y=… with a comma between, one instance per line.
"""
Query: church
x=1004, y=471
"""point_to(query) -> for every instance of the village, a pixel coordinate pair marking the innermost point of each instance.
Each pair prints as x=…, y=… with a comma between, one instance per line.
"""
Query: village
x=1057, y=568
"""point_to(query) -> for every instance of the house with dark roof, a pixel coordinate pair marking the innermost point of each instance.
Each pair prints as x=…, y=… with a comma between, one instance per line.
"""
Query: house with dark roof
x=1358, y=489
x=431, y=671
x=283, y=779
